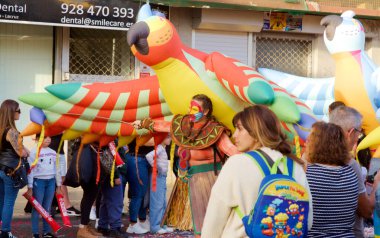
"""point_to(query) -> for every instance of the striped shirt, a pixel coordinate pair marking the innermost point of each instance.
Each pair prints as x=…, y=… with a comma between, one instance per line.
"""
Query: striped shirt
x=334, y=191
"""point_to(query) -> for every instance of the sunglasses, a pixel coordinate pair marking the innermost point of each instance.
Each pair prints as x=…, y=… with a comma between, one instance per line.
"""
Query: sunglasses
x=18, y=111
x=360, y=132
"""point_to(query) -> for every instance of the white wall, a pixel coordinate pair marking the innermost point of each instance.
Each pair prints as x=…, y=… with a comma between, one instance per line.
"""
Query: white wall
x=26, y=58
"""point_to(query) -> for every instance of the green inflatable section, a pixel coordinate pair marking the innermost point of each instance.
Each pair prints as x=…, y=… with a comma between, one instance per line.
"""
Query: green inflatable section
x=260, y=92
x=285, y=109
x=63, y=91
x=40, y=100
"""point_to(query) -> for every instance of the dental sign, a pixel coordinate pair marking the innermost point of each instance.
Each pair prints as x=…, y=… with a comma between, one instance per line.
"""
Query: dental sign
x=103, y=14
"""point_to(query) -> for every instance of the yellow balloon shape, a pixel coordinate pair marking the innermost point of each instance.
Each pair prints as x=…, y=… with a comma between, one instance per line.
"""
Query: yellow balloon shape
x=125, y=140
x=89, y=138
x=71, y=134
x=31, y=129
x=373, y=138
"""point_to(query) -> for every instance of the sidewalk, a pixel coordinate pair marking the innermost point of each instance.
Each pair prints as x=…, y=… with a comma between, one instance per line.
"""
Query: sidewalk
x=21, y=224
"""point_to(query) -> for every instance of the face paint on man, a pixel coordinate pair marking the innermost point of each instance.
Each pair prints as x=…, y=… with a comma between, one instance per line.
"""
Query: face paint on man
x=196, y=111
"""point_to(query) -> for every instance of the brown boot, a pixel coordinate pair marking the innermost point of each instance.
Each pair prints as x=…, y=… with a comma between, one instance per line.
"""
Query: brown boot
x=93, y=231
x=84, y=232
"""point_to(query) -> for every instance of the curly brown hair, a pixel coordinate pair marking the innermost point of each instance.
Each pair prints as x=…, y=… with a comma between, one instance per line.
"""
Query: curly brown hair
x=327, y=145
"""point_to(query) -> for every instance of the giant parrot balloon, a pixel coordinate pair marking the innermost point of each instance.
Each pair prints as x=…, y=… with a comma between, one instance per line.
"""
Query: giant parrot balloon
x=104, y=111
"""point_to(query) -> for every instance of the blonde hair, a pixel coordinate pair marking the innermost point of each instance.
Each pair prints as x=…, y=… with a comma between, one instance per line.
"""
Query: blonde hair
x=263, y=125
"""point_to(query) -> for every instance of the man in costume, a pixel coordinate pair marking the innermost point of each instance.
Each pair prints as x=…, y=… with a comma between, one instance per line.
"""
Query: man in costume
x=203, y=143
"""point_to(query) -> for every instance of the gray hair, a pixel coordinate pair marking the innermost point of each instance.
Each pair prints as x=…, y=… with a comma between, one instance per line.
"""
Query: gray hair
x=346, y=117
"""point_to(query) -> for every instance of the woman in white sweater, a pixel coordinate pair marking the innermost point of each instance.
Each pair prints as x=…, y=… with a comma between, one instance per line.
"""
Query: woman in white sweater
x=239, y=180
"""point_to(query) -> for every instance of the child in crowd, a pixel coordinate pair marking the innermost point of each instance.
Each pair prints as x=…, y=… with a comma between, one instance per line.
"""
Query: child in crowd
x=71, y=210
x=42, y=181
x=111, y=205
x=157, y=203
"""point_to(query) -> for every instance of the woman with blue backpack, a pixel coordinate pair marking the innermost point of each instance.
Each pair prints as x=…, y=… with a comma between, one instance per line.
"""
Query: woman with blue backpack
x=262, y=192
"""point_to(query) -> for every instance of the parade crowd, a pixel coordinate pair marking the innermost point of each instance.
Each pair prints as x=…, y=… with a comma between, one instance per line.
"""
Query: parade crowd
x=224, y=185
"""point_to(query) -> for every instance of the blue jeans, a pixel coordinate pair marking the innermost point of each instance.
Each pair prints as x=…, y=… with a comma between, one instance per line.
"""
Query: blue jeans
x=376, y=214
x=8, y=195
x=43, y=192
x=123, y=183
x=157, y=203
x=111, y=206
x=136, y=190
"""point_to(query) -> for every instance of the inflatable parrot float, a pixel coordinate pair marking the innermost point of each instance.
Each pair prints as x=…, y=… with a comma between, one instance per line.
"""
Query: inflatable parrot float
x=105, y=111
x=357, y=78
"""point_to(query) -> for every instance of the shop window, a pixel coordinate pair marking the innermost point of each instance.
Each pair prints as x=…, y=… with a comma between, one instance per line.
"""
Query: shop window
x=99, y=55
x=290, y=55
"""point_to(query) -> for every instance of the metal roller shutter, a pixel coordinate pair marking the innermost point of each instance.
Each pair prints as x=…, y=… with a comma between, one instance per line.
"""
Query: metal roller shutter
x=232, y=44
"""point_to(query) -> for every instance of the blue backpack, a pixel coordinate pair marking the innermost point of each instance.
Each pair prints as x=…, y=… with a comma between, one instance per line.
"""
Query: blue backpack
x=282, y=207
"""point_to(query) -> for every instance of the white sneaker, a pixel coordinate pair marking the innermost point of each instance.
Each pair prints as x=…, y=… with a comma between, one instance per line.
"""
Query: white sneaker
x=169, y=229
x=93, y=213
x=145, y=224
x=73, y=212
x=96, y=223
x=10, y=235
x=137, y=229
x=162, y=231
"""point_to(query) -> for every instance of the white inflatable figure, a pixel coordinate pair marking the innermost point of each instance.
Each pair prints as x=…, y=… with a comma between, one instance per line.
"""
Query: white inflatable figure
x=357, y=77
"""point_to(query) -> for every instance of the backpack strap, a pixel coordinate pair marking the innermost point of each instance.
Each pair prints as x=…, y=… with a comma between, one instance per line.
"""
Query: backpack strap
x=290, y=165
x=275, y=169
x=260, y=161
x=267, y=167
x=264, y=163
x=268, y=159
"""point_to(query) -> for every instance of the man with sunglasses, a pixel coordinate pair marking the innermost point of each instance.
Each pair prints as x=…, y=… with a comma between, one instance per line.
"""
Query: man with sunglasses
x=351, y=122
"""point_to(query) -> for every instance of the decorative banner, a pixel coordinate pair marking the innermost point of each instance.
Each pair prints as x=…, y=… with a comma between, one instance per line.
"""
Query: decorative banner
x=279, y=21
x=110, y=14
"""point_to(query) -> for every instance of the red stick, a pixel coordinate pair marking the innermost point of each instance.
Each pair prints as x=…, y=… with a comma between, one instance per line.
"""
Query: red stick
x=45, y=215
x=62, y=208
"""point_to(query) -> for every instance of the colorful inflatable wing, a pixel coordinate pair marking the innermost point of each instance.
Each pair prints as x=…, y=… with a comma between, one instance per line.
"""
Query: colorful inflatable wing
x=99, y=108
x=245, y=83
x=316, y=93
